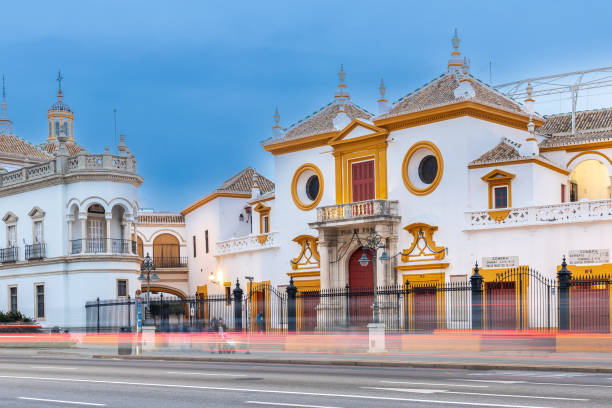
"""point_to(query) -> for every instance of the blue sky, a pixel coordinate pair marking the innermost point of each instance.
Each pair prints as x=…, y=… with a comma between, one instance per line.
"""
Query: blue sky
x=196, y=83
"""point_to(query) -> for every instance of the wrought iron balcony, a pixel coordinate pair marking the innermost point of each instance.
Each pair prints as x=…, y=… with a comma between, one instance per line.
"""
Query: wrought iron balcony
x=102, y=245
x=10, y=254
x=35, y=251
x=170, y=261
x=358, y=212
x=581, y=211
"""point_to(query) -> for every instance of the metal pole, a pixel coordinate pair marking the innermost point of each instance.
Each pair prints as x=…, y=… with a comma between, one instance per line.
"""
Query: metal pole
x=129, y=313
x=375, y=309
x=98, y=309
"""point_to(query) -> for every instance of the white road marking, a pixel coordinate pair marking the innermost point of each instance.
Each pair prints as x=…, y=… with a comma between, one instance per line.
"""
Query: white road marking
x=282, y=404
x=540, y=383
x=493, y=381
x=211, y=374
x=316, y=394
x=434, y=384
x=62, y=402
x=53, y=368
x=424, y=391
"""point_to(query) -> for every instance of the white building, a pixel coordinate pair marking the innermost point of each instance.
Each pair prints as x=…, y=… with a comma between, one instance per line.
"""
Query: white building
x=68, y=219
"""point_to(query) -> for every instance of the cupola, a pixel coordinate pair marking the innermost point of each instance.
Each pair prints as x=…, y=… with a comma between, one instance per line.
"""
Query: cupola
x=60, y=116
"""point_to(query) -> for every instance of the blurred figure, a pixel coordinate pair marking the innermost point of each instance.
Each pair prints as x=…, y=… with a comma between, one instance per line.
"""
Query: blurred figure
x=261, y=326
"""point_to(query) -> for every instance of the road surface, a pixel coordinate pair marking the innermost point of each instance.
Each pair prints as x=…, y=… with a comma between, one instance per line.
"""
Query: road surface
x=48, y=382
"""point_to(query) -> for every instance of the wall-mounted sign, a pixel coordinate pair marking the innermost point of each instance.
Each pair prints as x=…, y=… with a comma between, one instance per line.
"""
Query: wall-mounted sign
x=588, y=256
x=497, y=262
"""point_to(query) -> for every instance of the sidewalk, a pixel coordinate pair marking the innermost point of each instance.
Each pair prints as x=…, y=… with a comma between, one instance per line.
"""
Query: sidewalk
x=539, y=361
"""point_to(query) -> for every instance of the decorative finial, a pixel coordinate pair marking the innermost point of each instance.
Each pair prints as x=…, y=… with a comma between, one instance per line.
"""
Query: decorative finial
x=341, y=75
x=276, y=119
x=455, y=41
x=3, y=89
x=59, y=80
x=382, y=89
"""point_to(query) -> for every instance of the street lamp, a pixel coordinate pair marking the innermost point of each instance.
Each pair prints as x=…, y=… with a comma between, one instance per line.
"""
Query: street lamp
x=147, y=267
x=373, y=242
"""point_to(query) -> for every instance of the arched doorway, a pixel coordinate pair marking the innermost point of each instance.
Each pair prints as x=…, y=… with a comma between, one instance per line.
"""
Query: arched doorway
x=590, y=181
x=166, y=251
x=360, y=276
x=361, y=284
x=169, y=307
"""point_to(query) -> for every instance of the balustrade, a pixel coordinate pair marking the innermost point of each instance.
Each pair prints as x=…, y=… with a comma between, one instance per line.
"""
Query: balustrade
x=248, y=243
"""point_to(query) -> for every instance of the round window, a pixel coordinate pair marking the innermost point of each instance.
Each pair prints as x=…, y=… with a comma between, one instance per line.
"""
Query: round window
x=428, y=169
x=312, y=187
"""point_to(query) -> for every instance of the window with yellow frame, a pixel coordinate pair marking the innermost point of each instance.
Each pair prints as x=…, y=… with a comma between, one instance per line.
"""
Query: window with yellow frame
x=500, y=190
x=264, y=218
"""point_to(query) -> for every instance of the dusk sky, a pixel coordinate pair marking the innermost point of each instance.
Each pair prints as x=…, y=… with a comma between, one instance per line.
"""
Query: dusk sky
x=196, y=83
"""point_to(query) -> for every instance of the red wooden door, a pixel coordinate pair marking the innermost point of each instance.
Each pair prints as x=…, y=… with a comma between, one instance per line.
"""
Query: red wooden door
x=425, y=309
x=501, y=305
x=363, y=180
x=360, y=276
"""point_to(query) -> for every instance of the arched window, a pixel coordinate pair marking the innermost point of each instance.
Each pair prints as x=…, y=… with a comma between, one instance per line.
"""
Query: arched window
x=166, y=251
x=57, y=127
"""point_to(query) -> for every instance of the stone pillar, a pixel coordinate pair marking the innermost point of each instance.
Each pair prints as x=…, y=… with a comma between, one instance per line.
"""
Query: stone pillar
x=324, y=264
x=108, y=217
x=83, y=218
x=70, y=221
x=135, y=224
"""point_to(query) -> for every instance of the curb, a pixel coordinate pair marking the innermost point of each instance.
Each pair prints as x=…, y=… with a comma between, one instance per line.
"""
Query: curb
x=363, y=363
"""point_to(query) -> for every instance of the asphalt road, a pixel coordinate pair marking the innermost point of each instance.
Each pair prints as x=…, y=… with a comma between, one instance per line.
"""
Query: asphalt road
x=48, y=382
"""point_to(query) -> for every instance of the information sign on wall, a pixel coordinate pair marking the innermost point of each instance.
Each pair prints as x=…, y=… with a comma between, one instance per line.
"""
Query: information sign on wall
x=498, y=262
x=588, y=256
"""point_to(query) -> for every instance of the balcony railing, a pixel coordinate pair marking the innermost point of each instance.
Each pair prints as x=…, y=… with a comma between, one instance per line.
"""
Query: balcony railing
x=10, y=254
x=35, y=251
x=102, y=245
x=170, y=261
x=582, y=211
x=357, y=210
x=247, y=244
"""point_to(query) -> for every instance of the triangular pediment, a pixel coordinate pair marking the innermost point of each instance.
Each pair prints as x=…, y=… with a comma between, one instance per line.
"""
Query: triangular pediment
x=358, y=130
x=497, y=175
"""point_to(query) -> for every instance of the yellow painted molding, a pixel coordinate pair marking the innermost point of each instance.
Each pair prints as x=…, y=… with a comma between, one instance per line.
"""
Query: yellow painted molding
x=498, y=178
x=262, y=238
x=467, y=108
x=211, y=197
x=588, y=152
x=420, y=267
x=499, y=216
x=428, y=230
x=303, y=143
x=423, y=144
x=304, y=260
x=521, y=161
x=579, y=148
x=303, y=274
x=294, y=193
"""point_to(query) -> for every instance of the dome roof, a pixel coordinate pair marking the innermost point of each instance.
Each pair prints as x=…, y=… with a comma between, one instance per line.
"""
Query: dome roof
x=60, y=106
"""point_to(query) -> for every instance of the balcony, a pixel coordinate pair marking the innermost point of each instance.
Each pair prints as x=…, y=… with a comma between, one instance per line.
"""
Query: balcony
x=574, y=212
x=247, y=244
x=10, y=254
x=362, y=212
x=170, y=262
x=102, y=246
x=35, y=251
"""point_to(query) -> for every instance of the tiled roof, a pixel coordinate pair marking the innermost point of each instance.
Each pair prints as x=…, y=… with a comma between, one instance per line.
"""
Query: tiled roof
x=161, y=218
x=440, y=92
x=321, y=121
x=591, y=126
x=14, y=146
x=73, y=148
x=506, y=150
x=243, y=181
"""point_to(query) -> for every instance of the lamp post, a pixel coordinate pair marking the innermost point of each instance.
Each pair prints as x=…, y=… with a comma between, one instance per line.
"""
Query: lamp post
x=147, y=267
x=373, y=243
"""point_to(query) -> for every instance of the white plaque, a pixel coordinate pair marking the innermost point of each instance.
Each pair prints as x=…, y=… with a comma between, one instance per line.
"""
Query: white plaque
x=588, y=256
x=497, y=262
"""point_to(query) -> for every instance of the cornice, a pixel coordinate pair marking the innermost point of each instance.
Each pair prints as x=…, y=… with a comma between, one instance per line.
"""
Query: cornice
x=467, y=108
x=211, y=197
x=302, y=143
x=69, y=260
x=520, y=161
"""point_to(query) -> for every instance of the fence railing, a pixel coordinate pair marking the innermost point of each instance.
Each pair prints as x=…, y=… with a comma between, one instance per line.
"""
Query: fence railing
x=102, y=245
x=518, y=299
x=35, y=251
x=170, y=261
x=10, y=254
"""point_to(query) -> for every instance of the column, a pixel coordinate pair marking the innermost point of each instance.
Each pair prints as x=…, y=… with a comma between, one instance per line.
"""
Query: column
x=135, y=224
x=108, y=217
x=83, y=218
x=70, y=221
